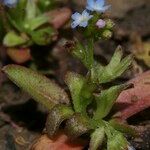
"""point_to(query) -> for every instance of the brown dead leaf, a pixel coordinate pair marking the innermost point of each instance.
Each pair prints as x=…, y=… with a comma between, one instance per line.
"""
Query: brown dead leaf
x=19, y=55
x=61, y=142
x=134, y=100
x=59, y=17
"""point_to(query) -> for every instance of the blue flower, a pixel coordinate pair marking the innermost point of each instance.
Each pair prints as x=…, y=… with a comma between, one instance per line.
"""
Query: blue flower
x=81, y=19
x=97, y=5
x=10, y=3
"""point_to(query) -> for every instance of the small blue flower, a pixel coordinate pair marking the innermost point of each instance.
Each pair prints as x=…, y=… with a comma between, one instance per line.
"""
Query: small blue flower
x=10, y=3
x=80, y=19
x=97, y=5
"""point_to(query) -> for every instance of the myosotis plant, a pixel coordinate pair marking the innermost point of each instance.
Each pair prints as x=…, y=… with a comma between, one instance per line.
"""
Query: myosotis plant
x=88, y=109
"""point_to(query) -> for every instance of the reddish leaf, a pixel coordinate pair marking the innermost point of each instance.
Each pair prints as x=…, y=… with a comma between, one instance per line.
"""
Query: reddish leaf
x=59, y=17
x=136, y=99
x=19, y=55
x=61, y=142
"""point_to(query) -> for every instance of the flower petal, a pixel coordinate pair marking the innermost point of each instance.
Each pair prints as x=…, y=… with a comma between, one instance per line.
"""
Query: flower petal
x=10, y=3
x=83, y=24
x=75, y=16
x=90, y=8
x=100, y=3
x=74, y=24
x=85, y=13
x=90, y=3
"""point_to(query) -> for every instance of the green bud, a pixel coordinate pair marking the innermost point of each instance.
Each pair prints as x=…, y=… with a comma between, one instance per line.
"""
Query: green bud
x=107, y=34
x=109, y=24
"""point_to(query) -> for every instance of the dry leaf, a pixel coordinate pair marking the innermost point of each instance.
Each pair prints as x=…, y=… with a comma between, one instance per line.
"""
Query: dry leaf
x=136, y=99
x=19, y=55
x=61, y=142
x=59, y=17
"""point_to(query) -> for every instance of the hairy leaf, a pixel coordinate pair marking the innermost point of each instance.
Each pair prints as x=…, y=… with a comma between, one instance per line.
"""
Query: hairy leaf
x=85, y=54
x=12, y=39
x=113, y=70
x=97, y=138
x=39, y=87
x=81, y=91
x=122, y=127
x=43, y=36
x=77, y=125
x=115, y=139
x=106, y=99
x=75, y=83
x=56, y=116
x=16, y=15
x=36, y=22
x=31, y=10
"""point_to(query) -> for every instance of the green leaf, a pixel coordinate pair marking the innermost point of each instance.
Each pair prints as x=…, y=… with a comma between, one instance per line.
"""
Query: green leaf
x=81, y=91
x=105, y=101
x=97, y=138
x=31, y=10
x=85, y=54
x=16, y=15
x=75, y=83
x=77, y=125
x=43, y=36
x=46, y=5
x=36, y=22
x=12, y=39
x=42, y=89
x=17, y=25
x=56, y=116
x=113, y=70
x=115, y=139
x=124, y=128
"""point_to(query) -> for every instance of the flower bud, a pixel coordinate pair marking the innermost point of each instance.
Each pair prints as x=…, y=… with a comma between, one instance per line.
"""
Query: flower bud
x=107, y=34
x=100, y=23
x=109, y=24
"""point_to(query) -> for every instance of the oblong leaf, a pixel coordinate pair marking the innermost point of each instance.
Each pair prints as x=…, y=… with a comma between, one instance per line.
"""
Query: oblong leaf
x=97, y=138
x=42, y=89
x=56, y=116
x=44, y=36
x=75, y=83
x=12, y=39
x=77, y=125
x=106, y=99
x=116, y=140
x=114, y=69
